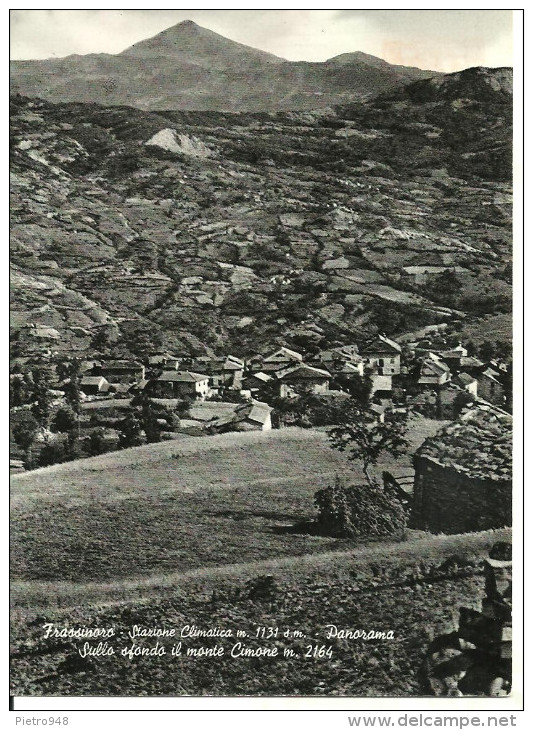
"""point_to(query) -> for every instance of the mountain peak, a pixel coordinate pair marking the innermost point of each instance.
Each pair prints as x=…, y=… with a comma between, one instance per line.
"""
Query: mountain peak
x=186, y=27
x=190, y=43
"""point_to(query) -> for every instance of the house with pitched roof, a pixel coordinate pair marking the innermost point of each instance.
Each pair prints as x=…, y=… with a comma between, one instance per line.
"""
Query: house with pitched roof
x=345, y=360
x=179, y=384
x=433, y=372
x=463, y=475
x=165, y=361
x=281, y=358
x=119, y=371
x=302, y=376
x=466, y=382
x=490, y=386
x=223, y=372
x=383, y=355
x=254, y=382
x=252, y=416
x=94, y=384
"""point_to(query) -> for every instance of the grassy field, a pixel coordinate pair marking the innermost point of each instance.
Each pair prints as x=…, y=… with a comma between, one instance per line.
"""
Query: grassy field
x=493, y=327
x=28, y=596
x=412, y=591
x=182, y=533
x=177, y=506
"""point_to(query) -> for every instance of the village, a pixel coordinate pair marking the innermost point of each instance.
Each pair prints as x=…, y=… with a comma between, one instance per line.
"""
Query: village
x=261, y=361
x=86, y=407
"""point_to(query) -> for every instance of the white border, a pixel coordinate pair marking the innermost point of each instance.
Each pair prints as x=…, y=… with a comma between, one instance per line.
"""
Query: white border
x=315, y=712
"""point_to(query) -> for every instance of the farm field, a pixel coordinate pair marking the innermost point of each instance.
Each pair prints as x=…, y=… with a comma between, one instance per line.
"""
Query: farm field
x=177, y=506
x=499, y=325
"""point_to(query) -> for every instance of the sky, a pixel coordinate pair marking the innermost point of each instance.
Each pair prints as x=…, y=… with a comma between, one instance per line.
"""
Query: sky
x=440, y=40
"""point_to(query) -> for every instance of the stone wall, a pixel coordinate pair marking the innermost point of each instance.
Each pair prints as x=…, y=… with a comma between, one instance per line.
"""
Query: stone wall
x=447, y=500
x=476, y=658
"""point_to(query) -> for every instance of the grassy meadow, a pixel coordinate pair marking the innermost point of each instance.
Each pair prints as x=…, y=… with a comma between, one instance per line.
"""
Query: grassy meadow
x=177, y=506
x=184, y=532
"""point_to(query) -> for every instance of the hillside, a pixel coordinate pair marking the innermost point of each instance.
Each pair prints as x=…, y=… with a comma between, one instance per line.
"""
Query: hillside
x=203, y=231
x=189, y=67
x=176, y=506
x=412, y=589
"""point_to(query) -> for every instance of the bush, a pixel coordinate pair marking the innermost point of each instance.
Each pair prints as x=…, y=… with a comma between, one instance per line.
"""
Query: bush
x=361, y=510
x=64, y=420
x=53, y=453
x=130, y=433
x=96, y=443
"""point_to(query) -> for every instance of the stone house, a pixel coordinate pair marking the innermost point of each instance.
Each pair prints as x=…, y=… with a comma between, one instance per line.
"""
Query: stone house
x=433, y=372
x=472, y=365
x=490, y=387
x=345, y=360
x=253, y=416
x=349, y=368
x=176, y=384
x=302, y=376
x=282, y=358
x=255, y=382
x=466, y=382
x=119, y=371
x=223, y=372
x=165, y=361
x=449, y=401
x=384, y=355
x=94, y=384
x=453, y=357
x=463, y=475
x=380, y=383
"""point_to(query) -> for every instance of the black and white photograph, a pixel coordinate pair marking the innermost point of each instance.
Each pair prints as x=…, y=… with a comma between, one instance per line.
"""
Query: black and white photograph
x=261, y=354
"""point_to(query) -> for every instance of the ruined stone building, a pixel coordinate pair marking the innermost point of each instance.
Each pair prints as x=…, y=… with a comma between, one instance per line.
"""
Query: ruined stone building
x=463, y=475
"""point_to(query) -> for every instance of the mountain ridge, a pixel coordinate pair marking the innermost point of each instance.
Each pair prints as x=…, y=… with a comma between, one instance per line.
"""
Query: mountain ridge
x=217, y=232
x=192, y=68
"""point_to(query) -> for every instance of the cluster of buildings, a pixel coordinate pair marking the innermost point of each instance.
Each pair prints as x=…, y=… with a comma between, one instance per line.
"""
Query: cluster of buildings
x=167, y=376
x=422, y=377
x=441, y=375
x=463, y=475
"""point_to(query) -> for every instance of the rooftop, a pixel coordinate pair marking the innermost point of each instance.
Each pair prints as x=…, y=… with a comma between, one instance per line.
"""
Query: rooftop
x=175, y=376
x=478, y=445
x=123, y=364
x=432, y=367
x=92, y=380
x=286, y=353
x=302, y=371
x=492, y=374
x=470, y=362
x=381, y=346
x=465, y=378
x=255, y=411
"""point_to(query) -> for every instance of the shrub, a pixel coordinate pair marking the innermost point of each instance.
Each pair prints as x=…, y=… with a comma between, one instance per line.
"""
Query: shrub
x=361, y=510
x=130, y=432
x=96, y=443
x=52, y=453
x=64, y=420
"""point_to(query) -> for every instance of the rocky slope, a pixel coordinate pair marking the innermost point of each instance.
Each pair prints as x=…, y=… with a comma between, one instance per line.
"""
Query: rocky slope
x=189, y=67
x=199, y=231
